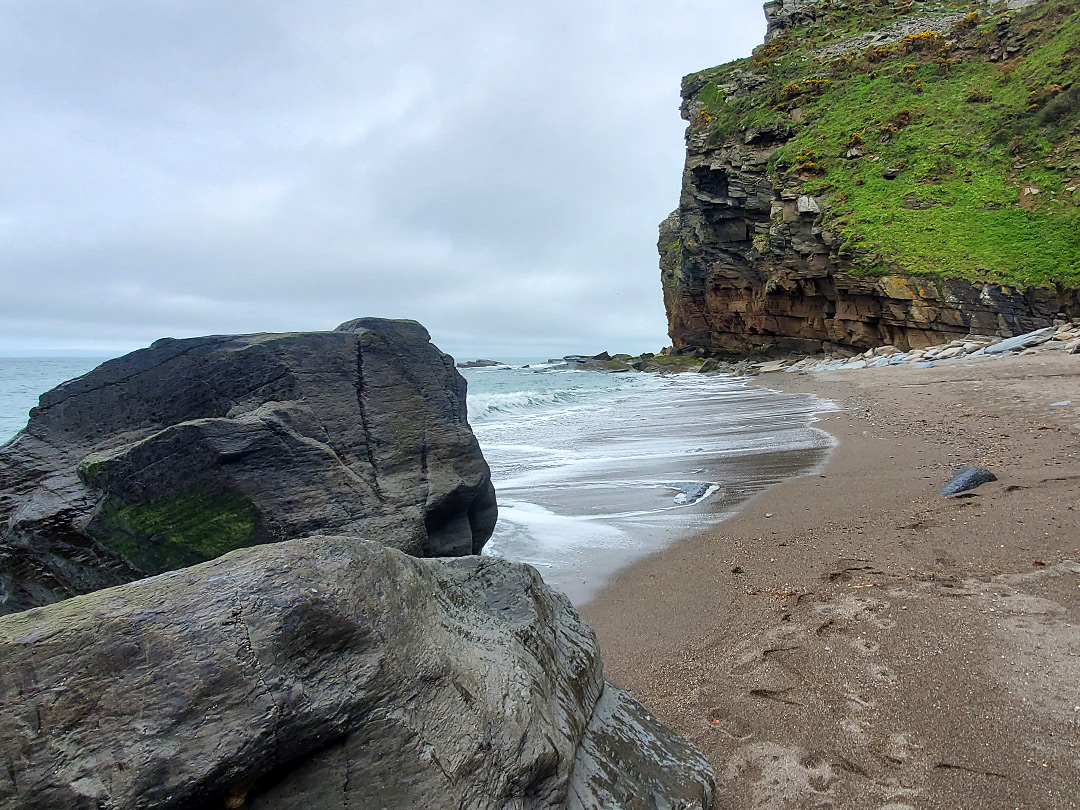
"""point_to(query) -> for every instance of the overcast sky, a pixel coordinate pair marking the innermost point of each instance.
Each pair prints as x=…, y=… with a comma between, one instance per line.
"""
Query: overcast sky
x=495, y=170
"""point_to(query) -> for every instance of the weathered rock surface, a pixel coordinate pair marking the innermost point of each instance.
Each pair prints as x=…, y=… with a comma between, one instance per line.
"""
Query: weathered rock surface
x=326, y=672
x=180, y=452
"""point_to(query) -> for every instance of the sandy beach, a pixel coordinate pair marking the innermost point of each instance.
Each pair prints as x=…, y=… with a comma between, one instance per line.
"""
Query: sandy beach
x=851, y=638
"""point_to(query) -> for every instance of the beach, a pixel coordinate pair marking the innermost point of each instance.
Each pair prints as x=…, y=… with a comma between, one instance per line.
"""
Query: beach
x=852, y=639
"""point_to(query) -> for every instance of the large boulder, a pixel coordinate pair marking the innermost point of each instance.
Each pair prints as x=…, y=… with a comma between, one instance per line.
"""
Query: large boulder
x=326, y=672
x=177, y=453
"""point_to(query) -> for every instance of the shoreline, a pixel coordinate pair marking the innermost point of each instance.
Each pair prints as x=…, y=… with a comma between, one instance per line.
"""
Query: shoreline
x=587, y=488
x=851, y=637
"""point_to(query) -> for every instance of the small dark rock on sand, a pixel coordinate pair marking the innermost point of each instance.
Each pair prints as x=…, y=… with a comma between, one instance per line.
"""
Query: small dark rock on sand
x=966, y=478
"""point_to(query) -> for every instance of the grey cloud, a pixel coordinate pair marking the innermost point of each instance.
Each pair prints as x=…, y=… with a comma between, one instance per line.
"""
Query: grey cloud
x=496, y=171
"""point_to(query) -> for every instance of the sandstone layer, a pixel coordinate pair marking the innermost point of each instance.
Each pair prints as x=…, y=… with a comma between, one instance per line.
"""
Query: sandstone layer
x=784, y=246
x=321, y=673
x=177, y=453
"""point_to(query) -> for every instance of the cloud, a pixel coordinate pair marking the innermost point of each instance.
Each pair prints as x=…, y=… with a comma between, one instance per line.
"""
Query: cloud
x=494, y=170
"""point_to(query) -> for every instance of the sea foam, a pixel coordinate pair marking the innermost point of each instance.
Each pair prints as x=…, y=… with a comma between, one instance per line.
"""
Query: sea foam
x=595, y=470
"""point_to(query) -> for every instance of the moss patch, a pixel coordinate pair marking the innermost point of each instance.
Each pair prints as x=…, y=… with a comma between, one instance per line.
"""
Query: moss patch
x=179, y=531
x=89, y=468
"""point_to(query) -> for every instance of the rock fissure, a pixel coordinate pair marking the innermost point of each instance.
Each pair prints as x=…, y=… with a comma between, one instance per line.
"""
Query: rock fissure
x=346, y=782
x=339, y=463
x=252, y=661
x=364, y=425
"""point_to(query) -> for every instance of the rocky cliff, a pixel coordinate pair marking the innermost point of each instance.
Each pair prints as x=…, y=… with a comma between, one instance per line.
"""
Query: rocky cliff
x=180, y=452
x=885, y=172
x=326, y=673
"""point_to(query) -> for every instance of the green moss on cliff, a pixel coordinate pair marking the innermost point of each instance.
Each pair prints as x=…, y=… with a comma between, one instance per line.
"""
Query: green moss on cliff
x=179, y=531
x=978, y=122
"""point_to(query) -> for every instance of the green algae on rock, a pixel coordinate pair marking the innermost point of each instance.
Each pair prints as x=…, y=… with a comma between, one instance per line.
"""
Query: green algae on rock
x=178, y=531
x=880, y=173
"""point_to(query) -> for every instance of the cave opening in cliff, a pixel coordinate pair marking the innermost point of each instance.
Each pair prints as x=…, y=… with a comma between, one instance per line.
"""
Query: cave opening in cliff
x=712, y=182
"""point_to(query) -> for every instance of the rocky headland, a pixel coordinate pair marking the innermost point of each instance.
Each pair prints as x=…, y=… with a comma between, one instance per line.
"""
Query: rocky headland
x=244, y=571
x=880, y=173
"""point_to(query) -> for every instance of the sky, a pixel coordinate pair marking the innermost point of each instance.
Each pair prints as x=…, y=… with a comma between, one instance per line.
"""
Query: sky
x=494, y=170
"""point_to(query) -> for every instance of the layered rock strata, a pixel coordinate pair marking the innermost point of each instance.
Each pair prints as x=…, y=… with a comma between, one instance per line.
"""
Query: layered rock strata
x=752, y=263
x=321, y=673
x=177, y=453
x=747, y=267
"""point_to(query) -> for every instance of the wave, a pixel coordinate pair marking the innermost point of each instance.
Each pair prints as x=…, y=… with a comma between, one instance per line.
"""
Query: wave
x=483, y=405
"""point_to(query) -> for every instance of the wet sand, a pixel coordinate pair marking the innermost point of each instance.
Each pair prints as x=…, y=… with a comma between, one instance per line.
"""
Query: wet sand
x=850, y=638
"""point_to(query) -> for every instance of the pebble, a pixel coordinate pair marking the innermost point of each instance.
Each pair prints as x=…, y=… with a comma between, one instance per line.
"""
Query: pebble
x=967, y=478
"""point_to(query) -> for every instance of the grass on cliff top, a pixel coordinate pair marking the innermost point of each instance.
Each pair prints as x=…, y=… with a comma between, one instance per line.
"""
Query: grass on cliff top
x=969, y=136
x=179, y=531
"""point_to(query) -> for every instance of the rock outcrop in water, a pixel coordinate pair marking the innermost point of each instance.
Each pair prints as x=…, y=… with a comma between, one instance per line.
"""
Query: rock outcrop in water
x=324, y=673
x=177, y=453
x=874, y=174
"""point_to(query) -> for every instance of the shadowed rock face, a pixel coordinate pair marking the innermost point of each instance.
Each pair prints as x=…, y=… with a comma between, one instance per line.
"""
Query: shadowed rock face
x=177, y=453
x=324, y=673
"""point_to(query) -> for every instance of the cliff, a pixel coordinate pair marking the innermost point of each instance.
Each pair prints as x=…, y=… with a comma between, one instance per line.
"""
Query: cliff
x=885, y=172
x=177, y=453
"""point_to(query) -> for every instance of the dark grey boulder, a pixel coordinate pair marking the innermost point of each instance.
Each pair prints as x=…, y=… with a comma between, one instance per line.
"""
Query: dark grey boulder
x=323, y=673
x=177, y=453
x=966, y=478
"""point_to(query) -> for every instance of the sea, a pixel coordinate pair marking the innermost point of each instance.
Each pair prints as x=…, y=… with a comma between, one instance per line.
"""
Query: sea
x=596, y=470
x=592, y=470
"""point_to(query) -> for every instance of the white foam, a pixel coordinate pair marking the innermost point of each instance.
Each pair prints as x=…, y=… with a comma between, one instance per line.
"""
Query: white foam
x=548, y=529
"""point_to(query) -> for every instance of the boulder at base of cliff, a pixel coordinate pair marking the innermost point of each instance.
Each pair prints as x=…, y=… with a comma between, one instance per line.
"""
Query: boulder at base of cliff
x=183, y=451
x=321, y=673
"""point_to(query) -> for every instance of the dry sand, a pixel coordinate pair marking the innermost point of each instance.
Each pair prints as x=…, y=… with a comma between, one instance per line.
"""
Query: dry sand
x=853, y=640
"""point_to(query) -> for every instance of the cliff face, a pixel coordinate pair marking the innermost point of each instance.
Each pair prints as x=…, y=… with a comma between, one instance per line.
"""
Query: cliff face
x=880, y=173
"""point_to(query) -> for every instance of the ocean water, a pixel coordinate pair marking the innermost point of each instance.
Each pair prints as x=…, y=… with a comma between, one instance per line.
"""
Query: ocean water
x=592, y=471
x=24, y=379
